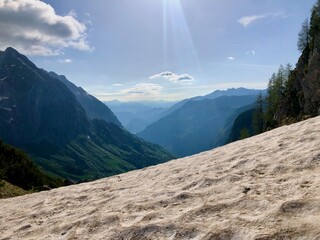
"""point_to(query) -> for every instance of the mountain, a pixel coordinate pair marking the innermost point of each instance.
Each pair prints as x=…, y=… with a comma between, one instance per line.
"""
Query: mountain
x=230, y=92
x=193, y=127
x=265, y=187
x=41, y=116
x=173, y=108
x=138, y=105
x=228, y=129
x=36, y=109
x=135, y=116
x=214, y=95
x=106, y=151
x=93, y=107
x=141, y=120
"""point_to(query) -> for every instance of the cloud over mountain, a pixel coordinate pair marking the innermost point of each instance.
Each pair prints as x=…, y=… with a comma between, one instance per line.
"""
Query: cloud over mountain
x=34, y=28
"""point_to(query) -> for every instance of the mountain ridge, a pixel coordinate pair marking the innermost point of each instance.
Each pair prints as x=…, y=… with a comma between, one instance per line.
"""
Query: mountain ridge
x=41, y=116
x=193, y=127
x=93, y=107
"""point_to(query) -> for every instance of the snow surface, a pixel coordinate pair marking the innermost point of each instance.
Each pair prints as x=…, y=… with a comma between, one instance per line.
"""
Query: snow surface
x=264, y=187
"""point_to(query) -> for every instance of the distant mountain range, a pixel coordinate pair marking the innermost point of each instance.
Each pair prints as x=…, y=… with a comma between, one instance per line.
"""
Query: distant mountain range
x=192, y=126
x=214, y=95
x=136, y=116
x=67, y=132
x=230, y=92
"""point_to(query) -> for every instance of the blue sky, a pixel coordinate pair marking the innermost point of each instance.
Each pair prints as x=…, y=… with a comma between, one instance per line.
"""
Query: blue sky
x=156, y=49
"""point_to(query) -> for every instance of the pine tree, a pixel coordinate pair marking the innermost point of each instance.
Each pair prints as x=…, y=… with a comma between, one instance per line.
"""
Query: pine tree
x=276, y=94
x=314, y=24
x=270, y=101
x=258, y=123
x=303, y=39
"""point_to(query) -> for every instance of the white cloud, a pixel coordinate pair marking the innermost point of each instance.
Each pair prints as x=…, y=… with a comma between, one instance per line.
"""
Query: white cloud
x=248, y=20
x=145, y=89
x=173, y=77
x=33, y=27
x=231, y=58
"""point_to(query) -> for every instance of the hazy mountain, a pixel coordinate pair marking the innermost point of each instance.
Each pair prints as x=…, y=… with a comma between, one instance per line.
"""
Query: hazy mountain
x=93, y=107
x=40, y=115
x=138, y=105
x=214, y=95
x=173, y=108
x=141, y=120
x=128, y=107
x=193, y=127
x=230, y=92
x=136, y=116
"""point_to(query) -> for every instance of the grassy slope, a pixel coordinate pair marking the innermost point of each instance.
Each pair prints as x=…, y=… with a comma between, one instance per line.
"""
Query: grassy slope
x=84, y=159
x=109, y=150
x=18, y=169
x=7, y=190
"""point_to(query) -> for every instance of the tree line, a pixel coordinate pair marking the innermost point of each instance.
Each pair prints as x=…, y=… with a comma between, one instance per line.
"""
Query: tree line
x=282, y=102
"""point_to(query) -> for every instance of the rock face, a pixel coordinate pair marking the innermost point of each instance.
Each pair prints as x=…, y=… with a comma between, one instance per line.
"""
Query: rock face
x=264, y=187
x=306, y=83
x=311, y=83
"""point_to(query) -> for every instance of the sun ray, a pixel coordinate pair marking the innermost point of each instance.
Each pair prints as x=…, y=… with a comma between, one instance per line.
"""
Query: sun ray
x=165, y=40
x=177, y=39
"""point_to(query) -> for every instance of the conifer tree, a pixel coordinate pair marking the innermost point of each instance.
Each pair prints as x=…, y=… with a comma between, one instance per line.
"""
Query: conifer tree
x=303, y=39
x=314, y=24
x=258, y=123
x=244, y=133
x=276, y=94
